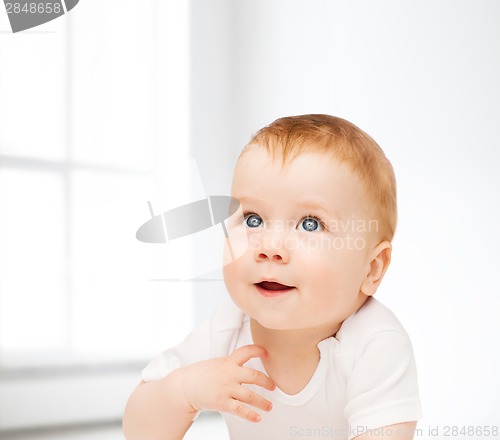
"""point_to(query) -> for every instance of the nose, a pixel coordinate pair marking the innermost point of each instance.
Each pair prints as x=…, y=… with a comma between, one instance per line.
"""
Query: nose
x=272, y=247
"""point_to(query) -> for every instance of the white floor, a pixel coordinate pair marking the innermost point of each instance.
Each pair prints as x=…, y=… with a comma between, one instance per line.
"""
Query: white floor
x=209, y=426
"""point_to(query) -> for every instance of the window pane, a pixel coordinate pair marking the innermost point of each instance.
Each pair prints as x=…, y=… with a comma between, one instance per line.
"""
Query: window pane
x=112, y=84
x=32, y=262
x=32, y=91
x=116, y=309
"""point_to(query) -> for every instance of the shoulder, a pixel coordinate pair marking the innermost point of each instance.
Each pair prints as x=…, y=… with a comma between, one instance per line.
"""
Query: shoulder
x=227, y=317
x=372, y=335
x=379, y=368
x=225, y=327
x=216, y=337
x=372, y=320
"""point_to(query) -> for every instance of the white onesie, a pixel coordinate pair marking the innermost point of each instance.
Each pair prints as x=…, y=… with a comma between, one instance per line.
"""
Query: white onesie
x=365, y=379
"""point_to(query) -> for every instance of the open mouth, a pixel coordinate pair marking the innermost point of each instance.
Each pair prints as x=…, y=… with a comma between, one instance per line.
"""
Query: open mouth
x=272, y=288
x=271, y=285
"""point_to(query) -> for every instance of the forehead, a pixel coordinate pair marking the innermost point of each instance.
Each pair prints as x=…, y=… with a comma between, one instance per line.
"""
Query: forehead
x=314, y=167
x=310, y=176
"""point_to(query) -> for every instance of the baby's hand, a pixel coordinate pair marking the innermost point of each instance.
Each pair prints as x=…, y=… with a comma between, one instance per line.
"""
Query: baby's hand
x=216, y=384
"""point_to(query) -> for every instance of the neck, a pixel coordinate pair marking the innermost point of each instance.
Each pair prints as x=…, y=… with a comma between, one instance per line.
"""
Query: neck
x=290, y=343
x=286, y=348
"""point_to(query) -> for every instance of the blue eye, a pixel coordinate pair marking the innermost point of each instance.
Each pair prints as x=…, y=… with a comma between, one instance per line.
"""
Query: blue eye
x=253, y=221
x=310, y=224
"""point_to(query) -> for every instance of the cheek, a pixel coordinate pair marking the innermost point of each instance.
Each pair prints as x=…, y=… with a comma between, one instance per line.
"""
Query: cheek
x=236, y=280
x=325, y=281
x=235, y=245
x=234, y=274
x=330, y=270
x=317, y=268
x=229, y=274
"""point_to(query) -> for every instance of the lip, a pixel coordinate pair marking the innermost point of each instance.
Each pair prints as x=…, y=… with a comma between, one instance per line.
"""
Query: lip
x=272, y=293
x=271, y=280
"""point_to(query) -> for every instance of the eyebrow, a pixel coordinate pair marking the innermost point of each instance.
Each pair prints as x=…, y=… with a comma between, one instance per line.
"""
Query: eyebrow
x=319, y=207
x=314, y=206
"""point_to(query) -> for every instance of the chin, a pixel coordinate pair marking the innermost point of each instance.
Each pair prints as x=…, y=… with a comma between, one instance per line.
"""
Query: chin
x=275, y=322
x=273, y=325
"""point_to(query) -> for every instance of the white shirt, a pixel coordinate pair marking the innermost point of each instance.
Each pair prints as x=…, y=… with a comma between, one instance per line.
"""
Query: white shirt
x=365, y=379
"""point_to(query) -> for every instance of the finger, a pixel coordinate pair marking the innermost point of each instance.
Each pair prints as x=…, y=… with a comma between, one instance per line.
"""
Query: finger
x=243, y=354
x=237, y=408
x=256, y=377
x=248, y=396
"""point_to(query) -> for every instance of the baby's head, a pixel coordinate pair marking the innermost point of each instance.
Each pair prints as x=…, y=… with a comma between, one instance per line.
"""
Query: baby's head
x=319, y=209
x=336, y=138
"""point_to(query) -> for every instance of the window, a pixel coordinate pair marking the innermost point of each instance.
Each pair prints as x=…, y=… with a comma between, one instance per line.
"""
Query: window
x=93, y=109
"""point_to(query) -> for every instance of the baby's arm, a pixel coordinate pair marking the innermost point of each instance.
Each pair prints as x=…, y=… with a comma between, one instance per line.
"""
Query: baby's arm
x=156, y=410
x=164, y=409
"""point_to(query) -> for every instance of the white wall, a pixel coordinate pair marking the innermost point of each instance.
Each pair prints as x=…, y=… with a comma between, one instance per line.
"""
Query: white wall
x=422, y=79
x=93, y=124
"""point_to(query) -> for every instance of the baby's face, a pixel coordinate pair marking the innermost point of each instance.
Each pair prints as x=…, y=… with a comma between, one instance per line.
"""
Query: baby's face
x=309, y=235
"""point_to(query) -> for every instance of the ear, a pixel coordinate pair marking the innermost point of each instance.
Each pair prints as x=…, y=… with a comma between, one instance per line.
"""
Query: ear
x=380, y=258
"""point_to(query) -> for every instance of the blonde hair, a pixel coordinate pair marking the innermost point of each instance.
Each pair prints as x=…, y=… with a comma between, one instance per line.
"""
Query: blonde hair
x=289, y=136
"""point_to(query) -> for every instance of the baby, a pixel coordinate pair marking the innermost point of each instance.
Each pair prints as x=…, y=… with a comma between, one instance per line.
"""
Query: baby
x=305, y=350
